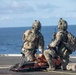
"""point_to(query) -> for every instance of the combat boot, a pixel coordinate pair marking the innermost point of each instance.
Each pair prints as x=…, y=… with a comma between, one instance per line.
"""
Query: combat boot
x=51, y=68
x=63, y=67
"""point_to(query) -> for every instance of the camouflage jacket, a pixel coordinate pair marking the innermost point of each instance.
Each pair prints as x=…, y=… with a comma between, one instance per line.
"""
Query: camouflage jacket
x=61, y=37
x=33, y=40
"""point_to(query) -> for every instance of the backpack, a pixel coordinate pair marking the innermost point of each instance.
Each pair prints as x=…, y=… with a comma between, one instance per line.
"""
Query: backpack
x=71, y=42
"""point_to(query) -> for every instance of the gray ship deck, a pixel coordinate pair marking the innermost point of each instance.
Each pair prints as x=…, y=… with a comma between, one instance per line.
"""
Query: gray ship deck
x=8, y=60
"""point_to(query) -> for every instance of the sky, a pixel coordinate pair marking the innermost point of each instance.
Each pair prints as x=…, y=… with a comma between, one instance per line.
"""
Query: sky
x=21, y=13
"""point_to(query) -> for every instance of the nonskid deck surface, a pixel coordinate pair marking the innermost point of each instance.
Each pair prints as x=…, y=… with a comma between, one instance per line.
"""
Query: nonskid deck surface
x=57, y=72
x=7, y=61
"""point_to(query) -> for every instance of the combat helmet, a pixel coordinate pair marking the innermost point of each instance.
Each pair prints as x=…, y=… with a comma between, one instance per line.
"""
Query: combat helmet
x=36, y=25
x=62, y=24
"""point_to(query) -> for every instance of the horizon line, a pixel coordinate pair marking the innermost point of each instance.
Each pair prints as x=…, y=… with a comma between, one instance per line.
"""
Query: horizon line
x=29, y=26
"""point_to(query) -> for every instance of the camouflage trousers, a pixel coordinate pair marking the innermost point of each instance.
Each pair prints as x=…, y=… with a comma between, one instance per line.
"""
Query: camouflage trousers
x=51, y=53
x=64, y=61
x=64, y=55
x=29, y=54
x=48, y=55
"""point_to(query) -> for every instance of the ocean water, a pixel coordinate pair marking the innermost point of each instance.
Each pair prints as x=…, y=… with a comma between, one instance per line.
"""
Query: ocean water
x=11, y=38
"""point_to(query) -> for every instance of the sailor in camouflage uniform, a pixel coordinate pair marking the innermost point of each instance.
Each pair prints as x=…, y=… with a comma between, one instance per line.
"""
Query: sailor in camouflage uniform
x=33, y=40
x=57, y=47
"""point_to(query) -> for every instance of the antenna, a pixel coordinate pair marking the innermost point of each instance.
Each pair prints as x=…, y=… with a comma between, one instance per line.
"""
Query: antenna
x=55, y=30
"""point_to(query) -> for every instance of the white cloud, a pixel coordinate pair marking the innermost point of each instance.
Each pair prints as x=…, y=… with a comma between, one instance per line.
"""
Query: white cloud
x=14, y=4
x=36, y=9
x=5, y=18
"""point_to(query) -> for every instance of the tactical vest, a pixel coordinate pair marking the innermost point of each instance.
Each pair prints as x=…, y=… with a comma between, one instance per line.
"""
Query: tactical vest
x=31, y=40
